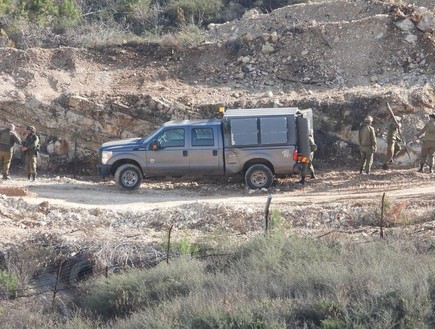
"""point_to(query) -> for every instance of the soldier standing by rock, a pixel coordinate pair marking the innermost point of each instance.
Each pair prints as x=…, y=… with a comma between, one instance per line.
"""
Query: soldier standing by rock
x=30, y=148
x=393, y=139
x=428, y=147
x=8, y=137
x=367, y=143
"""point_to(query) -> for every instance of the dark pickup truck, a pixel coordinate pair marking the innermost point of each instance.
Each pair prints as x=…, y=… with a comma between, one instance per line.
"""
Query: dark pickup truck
x=258, y=143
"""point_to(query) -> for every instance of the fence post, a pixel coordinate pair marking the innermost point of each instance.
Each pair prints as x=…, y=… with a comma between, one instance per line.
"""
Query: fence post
x=169, y=244
x=269, y=199
x=59, y=270
x=75, y=153
x=382, y=216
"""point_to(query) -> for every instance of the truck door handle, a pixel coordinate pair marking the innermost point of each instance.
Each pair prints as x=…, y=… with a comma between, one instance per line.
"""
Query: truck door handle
x=214, y=152
x=185, y=153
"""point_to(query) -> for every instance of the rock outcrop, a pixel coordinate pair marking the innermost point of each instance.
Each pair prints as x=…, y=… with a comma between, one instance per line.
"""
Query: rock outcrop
x=344, y=59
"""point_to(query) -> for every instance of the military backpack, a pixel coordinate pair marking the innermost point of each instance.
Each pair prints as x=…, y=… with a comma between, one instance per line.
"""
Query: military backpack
x=5, y=136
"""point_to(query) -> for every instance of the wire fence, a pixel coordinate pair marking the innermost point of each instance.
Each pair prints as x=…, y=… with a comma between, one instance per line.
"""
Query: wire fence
x=68, y=271
x=71, y=271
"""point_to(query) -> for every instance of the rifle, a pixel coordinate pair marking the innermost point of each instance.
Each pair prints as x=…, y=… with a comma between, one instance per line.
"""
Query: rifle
x=398, y=129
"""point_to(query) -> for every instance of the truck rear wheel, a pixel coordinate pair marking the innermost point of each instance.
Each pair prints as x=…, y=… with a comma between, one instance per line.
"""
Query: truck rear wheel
x=259, y=176
x=128, y=177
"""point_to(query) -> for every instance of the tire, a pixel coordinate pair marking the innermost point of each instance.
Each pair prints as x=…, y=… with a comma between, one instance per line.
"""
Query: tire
x=128, y=177
x=81, y=270
x=258, y=176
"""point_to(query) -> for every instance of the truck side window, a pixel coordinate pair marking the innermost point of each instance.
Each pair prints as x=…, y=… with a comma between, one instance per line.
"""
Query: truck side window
x=202, y=137
x=171, y=138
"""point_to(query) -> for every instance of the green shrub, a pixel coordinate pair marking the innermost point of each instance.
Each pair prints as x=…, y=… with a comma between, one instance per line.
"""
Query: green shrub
x=68, y=12
x=276, y=221
x=8, y=283
x=184, y=246
x=189, y=35
x=333, y=324
x=270, y=282
x=39, y=11
x=5, y=6
x=123, y=294
x=50, y=23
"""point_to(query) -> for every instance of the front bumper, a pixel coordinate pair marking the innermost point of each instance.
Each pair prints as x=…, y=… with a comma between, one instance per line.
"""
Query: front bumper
x=103, y=170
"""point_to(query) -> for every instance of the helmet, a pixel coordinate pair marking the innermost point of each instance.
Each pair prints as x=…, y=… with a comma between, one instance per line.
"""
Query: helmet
x=31, y=128
x=368, y=119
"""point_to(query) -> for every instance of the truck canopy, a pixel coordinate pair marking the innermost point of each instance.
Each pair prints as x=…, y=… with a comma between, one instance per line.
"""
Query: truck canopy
x=268, y=126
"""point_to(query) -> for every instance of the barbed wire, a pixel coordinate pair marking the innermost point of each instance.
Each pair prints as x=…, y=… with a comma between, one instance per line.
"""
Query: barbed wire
x=83, y=265
x=67, y=285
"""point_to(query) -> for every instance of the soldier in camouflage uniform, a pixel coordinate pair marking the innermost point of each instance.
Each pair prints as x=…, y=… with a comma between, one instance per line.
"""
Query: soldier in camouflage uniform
x=8, y=137
x=309, y=166
x=393, y=139
x=368, y=146
x=30, y=148
x=428, y=147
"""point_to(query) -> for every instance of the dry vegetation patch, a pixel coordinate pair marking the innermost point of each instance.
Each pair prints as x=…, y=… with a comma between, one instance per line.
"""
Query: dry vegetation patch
x=15, y=191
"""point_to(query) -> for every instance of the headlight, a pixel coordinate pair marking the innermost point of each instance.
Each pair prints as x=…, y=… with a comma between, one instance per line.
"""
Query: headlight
x=105, y=156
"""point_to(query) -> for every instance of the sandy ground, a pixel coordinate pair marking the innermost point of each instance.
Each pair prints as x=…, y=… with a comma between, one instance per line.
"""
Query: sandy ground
x=329, y=187
x=92, y=209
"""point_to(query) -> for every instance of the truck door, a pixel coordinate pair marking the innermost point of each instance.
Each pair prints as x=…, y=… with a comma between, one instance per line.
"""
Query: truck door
x=171, y=155
x=205, y=153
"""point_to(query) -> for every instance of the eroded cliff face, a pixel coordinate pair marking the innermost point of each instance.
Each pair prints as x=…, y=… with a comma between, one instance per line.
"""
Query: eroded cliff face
x=344, y=59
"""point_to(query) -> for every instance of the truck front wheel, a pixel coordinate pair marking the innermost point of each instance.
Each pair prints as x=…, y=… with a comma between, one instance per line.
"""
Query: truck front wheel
x=128, y=176
x=259, y=176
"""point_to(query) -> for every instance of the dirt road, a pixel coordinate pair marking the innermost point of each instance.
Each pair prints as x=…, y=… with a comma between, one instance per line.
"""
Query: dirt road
x=343, y=186
x=98, y=210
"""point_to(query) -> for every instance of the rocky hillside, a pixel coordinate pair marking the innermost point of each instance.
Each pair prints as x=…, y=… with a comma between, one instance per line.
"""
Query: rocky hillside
x=344, y=59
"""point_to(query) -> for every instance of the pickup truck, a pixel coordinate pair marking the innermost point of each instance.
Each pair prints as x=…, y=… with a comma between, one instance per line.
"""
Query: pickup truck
x=257, y=143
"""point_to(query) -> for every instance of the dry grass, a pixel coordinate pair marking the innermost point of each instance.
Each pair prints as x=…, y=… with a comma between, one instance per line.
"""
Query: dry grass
x=397, y=214
x=14, y=191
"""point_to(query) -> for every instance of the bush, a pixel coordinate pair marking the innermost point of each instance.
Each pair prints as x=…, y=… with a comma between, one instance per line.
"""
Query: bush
x=279, y=282
x=53, y=23
x=199, y=12
x=124, y=294
x=5, y=6
x=44, y=12
x=269, y=282
x=8, y=284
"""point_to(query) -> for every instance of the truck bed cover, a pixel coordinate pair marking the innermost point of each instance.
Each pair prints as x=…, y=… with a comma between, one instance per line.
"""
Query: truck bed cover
x=261, y=112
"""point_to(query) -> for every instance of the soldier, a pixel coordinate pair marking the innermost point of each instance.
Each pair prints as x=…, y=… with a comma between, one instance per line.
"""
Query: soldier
x=393, y=139
x=368, y=146
x=428, y=147
x=309, y=166
x=30, y=148
x=8, y=137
